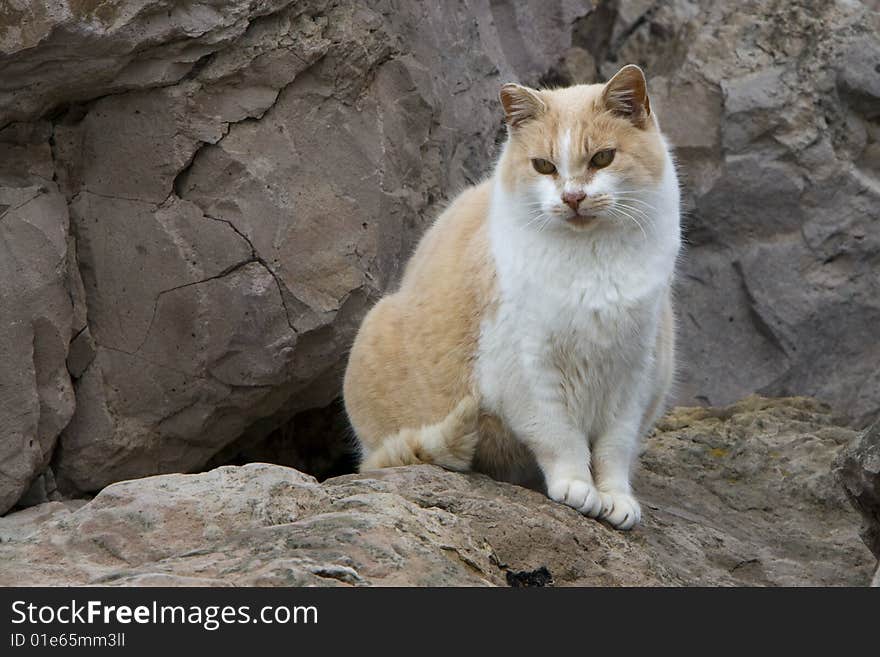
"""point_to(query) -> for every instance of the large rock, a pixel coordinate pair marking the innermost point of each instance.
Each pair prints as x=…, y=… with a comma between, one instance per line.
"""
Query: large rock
x=734, y=496
x=858, y=469
x=242, y=180
x=36, y=396
x=773, y=110
x=215, y=192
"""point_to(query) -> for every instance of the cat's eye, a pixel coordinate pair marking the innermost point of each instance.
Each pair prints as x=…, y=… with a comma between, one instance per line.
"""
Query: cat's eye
x=545, y=167
x=603, y=158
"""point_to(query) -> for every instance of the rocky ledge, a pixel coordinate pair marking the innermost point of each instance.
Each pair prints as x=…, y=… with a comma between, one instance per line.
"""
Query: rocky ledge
x=742, y=495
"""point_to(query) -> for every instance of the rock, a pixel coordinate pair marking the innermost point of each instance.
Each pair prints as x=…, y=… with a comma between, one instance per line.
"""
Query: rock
x=121, y=45
x=858, y=469
x=42, y=490
x=773, y=112
x=241, y=180
x=211, y=194
x=733, y=496
x=15, y=526
x=36, y=396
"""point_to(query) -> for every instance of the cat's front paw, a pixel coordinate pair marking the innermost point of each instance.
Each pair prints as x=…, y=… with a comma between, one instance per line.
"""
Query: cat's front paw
x=620, y=510
x=578, y=494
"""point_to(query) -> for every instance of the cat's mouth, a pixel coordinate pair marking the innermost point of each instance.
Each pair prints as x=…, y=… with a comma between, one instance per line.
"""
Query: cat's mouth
x=581, y=219
x=588, y=214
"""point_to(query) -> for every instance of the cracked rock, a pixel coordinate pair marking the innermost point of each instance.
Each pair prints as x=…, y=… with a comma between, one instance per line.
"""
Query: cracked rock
x=778, y=150
x=241, y=185
x=36, y=396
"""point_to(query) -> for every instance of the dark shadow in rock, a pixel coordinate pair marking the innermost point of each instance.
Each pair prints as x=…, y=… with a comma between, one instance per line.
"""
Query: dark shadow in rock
x=317, y=441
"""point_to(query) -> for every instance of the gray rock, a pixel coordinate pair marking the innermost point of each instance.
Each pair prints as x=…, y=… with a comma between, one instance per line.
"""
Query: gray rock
x=240, y=185
x=858, y=470
x=82, y=353
x=733, y=496
x=42, y=490
x=773, y=115
x=211, y=194
x=36, y=396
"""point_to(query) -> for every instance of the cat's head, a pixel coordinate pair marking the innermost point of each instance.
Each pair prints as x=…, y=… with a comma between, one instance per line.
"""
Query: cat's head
x=585, y=156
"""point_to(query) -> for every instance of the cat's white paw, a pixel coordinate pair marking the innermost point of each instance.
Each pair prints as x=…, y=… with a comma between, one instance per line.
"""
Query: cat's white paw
x=620, y=510
x=578, y=494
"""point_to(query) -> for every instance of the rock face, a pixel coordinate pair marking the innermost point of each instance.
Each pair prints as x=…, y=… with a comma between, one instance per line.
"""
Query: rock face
x=858, y=469
x=209, y=196
x=773, y=108
x=36, y=395
x=734, y=496
x=198, y=208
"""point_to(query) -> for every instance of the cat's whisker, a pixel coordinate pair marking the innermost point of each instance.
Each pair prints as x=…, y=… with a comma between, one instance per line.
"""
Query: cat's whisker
x=626, y=206
x=535, y=219
x=637, y=191
x=544, y=225
x=633, y=209
x=635, y=217
x=632, y=218
x=632, y=199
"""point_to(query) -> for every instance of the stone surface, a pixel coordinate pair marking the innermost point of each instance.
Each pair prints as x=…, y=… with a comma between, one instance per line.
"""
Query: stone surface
x=197, y=209
x=241, y=180
x=36, y=396
x=858, y=469
x=773, y=109
x=733, y=496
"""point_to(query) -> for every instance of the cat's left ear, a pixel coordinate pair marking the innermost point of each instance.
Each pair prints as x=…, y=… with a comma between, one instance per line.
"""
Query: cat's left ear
x=626, y=94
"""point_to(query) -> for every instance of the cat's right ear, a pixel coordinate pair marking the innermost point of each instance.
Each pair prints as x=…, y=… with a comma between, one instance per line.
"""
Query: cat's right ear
x=520, y=103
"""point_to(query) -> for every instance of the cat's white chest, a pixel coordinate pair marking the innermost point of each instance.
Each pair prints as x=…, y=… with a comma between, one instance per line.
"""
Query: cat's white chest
x=539, y=339
x=572, y=323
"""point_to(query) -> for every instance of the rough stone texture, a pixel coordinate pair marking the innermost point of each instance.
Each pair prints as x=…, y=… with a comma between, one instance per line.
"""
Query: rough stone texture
x=733, y=496
x=774, y=110
x=242, y=179
x=210, y=194
x=857, y=468
x=36, y=397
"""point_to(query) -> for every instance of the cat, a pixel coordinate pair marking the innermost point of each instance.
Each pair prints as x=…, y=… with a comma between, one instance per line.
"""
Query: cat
x=532, y=337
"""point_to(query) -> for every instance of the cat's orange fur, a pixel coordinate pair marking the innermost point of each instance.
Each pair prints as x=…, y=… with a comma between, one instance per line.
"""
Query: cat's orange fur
x=412, y=362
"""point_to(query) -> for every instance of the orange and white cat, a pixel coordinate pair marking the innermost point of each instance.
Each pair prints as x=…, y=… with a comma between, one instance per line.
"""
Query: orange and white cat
x=532, y=336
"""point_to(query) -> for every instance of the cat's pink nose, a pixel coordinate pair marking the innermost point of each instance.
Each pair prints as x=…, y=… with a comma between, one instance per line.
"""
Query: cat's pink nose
x=573, y=199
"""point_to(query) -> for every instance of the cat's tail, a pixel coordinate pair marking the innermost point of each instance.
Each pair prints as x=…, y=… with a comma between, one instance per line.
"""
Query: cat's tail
x=449, y=443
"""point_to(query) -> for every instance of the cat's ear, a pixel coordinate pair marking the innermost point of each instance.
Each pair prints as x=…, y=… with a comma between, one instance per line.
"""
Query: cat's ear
x=520, y=103
x=626, y=94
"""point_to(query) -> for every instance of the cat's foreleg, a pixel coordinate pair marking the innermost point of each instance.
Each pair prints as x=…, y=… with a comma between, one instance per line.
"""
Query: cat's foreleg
x=564, y=457
x=562, y=451
x=615, y=452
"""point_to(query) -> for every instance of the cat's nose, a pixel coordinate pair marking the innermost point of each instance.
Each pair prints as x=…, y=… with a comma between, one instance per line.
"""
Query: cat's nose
x=573, y=199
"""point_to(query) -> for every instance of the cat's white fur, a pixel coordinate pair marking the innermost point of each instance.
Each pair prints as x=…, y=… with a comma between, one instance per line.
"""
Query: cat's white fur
x=568, y=360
